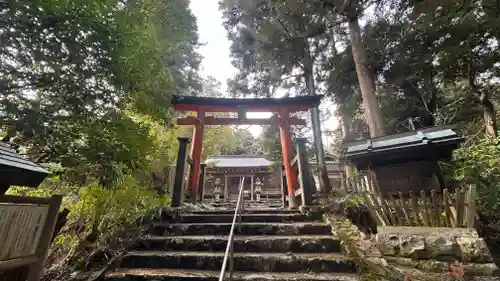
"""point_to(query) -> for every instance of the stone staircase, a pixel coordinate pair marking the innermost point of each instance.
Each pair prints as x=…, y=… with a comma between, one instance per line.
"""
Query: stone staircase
x=270, y=244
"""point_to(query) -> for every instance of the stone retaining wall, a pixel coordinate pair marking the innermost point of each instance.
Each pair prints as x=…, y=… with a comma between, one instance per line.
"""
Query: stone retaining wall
x=432, y=248
x=415, y=253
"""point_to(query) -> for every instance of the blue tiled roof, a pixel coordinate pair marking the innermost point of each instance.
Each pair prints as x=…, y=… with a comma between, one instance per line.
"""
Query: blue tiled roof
x=408, y=139
x=429, y=144
x=16, y=170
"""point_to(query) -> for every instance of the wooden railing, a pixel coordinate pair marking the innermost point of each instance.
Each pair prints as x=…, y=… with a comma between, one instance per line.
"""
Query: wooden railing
x=26, y=228
x=434, y=210
x=304, y=173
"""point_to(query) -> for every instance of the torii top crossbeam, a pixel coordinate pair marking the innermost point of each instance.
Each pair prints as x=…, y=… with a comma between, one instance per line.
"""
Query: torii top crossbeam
x=282, y=106
x=208, y=104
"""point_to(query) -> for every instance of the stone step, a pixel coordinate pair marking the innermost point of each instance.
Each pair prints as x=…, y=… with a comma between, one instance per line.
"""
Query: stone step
x=261, y=244
x=247, y=211
x=228, y=218
x=306, y=228
x=253, y=205
x=263, y=262
x=146, y=274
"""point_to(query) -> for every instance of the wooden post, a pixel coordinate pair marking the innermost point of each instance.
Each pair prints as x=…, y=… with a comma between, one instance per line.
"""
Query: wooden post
x=251, y=187
x=35, y=270
x=283, y=185
x=343, y=182
x=226, y=191
x=287, y=151
x=179, y=173
x=201, y=184
x=472, y=206
x=304, y=172
x=196, y=149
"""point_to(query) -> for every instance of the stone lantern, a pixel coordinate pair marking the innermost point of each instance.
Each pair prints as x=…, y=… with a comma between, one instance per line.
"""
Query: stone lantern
x=258, y=188
x=217, y=190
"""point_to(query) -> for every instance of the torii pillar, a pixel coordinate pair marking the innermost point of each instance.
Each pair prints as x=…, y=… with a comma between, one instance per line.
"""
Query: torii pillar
x=287, y=151
x=196, y=149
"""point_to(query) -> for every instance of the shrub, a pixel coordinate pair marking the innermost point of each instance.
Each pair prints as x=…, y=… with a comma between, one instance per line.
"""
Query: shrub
x=479, y=164
x=97, y=214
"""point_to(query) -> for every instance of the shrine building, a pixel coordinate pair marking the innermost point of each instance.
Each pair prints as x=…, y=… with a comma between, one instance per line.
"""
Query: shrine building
x=335, y=170
x=224, y=173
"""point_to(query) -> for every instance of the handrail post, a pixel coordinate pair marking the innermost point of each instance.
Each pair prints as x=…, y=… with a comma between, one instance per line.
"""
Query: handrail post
x=179, y=172
x=35, y=270
x=201, y=183
x=284, y=189
x=231, y=260
x=304, y=172
x=229, y=253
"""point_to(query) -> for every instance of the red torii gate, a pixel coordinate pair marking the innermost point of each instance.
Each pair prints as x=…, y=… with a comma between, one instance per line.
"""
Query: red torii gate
x=282, y=106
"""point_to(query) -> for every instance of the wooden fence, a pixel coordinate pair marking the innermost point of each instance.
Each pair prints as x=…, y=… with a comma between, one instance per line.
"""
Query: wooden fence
x=434, y=210
x=26, y=228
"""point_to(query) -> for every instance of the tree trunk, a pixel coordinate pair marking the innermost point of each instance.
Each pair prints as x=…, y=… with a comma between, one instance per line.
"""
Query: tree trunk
x=346, y=122
x=373, y=114
x=489, y=115
x=324, y=181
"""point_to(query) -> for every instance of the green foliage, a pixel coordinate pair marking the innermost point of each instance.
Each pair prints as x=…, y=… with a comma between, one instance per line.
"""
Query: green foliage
x=98, y=211
x=354, y=200
x=273, y=43
x=479, y=164
x=72, y=71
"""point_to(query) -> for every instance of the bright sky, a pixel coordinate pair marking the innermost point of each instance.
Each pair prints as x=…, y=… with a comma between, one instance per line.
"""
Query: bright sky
x=216, y=55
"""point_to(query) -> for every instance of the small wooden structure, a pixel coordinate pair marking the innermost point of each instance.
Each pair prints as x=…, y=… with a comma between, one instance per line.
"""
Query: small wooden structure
x=284, y=107
x=15, y=170
x=405, y=162
x=228, y=171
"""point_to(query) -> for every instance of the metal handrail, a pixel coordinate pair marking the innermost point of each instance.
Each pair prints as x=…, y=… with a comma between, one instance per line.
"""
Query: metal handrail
x=228, y=256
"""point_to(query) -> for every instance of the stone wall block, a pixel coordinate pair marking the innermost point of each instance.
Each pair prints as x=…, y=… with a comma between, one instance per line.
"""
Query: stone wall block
x=474, y=249
x=412, y=246
x=439, y=247
x=426, y=243
x=388, y=244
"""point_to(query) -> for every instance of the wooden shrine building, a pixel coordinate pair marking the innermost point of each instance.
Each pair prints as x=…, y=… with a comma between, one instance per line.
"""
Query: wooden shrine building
x=224, y=174
x=407, y=161
x=16, y=170
x=284, y=107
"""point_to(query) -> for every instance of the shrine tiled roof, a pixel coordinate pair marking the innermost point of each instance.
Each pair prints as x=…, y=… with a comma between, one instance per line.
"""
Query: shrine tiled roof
x=16, y=170
x=434, y=143
x=433, y=135
x=237, y=161
x=329, y=159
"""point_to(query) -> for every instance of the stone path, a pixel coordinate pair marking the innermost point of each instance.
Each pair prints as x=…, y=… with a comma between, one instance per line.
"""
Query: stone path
x=271, y=244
